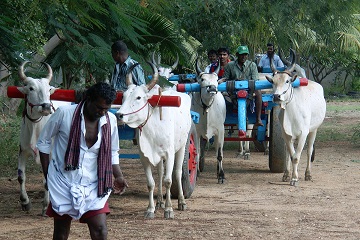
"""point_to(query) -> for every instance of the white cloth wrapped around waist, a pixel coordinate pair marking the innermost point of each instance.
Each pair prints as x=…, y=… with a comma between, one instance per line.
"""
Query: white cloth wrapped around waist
x=73, y=199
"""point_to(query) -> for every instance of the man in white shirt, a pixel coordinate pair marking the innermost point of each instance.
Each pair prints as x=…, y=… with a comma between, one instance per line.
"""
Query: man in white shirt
x=84, y=143
x=265, y=59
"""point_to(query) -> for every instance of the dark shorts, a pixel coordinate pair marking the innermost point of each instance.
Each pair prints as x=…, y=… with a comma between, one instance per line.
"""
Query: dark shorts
x=51, y=213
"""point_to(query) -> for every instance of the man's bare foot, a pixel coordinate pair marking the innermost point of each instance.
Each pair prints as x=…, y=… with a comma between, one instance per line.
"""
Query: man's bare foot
x=258, y=123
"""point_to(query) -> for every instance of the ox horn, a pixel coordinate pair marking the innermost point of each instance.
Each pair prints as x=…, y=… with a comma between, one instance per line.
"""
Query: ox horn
x=21, y=70
x=198, y=69
x=284, y=60
x=50, y=71
x=176, y=62
x=129, y=80
x=218, y=67
x=272, y=66
x=291, y=67
x=232, y=57
x=155, y=77
x=153, y=59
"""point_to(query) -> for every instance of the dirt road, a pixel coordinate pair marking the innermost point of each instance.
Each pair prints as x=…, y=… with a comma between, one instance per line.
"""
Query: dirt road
x=252, y=204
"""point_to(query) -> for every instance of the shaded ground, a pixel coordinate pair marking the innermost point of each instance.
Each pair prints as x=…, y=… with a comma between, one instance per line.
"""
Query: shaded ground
x=252, y=204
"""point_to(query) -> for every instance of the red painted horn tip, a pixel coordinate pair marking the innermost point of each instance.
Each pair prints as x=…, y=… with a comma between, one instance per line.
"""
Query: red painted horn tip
x=180, y=87
x=242, y=134
x=304, y=81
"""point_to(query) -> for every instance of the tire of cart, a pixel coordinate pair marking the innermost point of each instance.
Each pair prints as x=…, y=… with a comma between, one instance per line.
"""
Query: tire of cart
x=190, y=166
x=277, y=148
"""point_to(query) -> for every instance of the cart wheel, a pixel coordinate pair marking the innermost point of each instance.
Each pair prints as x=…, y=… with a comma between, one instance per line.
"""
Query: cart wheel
x=189, y=169
x=277, y=148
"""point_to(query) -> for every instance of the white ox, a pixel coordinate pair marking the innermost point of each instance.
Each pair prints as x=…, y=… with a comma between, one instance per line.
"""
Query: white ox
x=36, y=113
x=165, y=72
x=210, y=104
x=162, y=138
x=244, y=147
x=302, y=112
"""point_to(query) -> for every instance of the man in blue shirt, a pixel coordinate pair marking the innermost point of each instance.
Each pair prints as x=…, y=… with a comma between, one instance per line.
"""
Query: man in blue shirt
x=265, y=60
x=119, y=52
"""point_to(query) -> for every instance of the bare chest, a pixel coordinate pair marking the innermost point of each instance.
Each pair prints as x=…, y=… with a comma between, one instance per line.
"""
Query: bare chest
x=91, y=135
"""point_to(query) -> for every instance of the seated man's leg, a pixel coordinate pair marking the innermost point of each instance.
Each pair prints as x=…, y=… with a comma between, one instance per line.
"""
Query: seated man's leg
x=258, y=106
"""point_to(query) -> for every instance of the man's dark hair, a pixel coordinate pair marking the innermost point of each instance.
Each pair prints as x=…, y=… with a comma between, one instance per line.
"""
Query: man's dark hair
x=101, y=90
x=223, y=49
x=119, y=46
x=270, y=45
x=211, y=51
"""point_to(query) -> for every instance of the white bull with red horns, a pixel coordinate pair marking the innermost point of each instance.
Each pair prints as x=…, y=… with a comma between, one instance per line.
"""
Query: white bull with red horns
x=36, y=112
x=163, y=133
x=302, y=112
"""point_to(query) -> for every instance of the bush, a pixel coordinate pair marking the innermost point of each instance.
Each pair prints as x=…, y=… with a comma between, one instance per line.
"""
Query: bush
x=356, y=135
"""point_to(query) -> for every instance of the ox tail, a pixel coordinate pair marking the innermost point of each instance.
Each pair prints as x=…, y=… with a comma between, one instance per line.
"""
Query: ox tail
x=313, y=154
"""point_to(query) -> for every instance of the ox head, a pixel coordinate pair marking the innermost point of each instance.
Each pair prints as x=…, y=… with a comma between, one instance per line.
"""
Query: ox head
x=282, y=82
x=165, y=72
x=134, y=110
x=37, y=91
x=208, y=84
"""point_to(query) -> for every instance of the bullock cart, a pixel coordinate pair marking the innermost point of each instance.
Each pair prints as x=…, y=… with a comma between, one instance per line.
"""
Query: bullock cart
x=239, y=118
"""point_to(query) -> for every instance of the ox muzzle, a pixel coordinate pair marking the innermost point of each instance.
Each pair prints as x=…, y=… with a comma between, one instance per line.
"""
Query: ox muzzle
x=212, y=89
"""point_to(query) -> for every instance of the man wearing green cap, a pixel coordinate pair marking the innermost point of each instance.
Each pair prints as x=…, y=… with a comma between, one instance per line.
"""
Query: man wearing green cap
x=242, y=69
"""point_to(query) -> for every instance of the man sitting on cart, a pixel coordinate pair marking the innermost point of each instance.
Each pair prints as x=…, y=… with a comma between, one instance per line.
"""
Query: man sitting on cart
x=242, y=69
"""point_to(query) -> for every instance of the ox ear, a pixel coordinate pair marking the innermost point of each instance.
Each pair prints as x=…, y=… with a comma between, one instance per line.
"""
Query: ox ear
x=269, y=79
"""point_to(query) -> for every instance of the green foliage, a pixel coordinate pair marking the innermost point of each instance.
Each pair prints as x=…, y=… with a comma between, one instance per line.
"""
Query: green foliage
x=356, y=135
x=9, y=141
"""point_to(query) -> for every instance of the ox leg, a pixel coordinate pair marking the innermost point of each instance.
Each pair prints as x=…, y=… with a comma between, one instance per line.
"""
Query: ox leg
x=179, y=158
x=203, y=142
x=247, y=150
x=241, y=149
x=150, y=212
x=295, y=159
x=291, y=150
x=160, y=198
x=310, y=152
x=219, y=147
x=169, y=212
x=24, y=198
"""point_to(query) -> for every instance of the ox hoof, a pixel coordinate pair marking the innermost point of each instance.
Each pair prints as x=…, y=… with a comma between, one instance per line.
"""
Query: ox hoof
x=294, y=183
x=26, y=207
x=239, y=154
x=285, y=178
x=221, y=180
x=169, y=214
x=149, y=215
x=266, y=152
x=246, y=156
x=182, y=206
x=160, y=205
x=43, y=213
x=308, y=178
